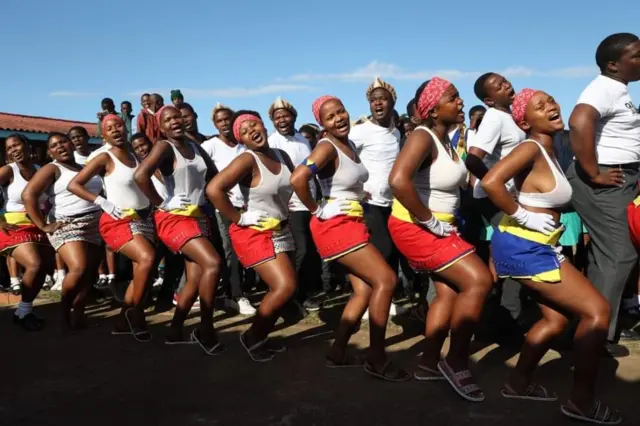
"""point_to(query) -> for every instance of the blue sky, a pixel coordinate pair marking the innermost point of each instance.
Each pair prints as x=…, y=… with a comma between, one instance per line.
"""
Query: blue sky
x=61, y=57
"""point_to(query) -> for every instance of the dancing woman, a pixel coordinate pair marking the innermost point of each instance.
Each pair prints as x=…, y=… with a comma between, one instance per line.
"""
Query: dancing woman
x=182, y=226
x=19, y=237
x=260, y=233
x=525, y=247
x=126, y=225
x=426, y=180
x=72, y=225
x=340, y=234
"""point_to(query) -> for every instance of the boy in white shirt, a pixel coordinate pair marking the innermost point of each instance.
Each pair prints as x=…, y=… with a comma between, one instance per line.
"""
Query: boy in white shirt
x=377, y=142
x=283, y=115
x=605, y=138
x=496, y=137
x=223, y=149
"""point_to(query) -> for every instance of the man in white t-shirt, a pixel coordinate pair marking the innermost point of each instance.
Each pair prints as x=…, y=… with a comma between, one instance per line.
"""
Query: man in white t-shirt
x=495, y=138
x=605, y=138
x=284, y=115
x=223, y=149
x=377, y=142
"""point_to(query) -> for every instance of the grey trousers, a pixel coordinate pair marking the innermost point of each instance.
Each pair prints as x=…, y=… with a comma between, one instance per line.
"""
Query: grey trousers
x=612, y=256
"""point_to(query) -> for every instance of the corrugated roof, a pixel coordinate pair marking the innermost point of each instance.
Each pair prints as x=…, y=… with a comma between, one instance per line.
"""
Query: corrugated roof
x=28, y=123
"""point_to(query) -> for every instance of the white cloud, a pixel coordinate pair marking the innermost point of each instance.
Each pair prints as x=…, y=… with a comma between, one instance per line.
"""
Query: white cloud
x=71, y=94
x=232, y=92
x=395, y=72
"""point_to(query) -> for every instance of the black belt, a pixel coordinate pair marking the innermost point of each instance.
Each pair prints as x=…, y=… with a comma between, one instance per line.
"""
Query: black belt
x=632, y=166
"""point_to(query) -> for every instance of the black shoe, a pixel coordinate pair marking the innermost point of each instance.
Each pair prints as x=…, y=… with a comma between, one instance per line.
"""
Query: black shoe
x=629, y=335
x=29, y=322
x=313, y=304
x=615, y=350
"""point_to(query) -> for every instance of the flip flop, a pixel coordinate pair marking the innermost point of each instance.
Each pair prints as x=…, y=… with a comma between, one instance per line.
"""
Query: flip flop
x=141, y=335
x=273, y=346
x=534, y=392
x=349, y=361
x=257, y=352
x=595, y=416
x=390, y=372
x=171, y=342
x=431, y=376
x=454, y=380
x=215, y=349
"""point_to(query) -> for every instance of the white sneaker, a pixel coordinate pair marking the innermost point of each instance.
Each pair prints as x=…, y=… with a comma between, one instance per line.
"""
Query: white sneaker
x=394, y=311
x=158, y=282
x=242, y=306
x=57, y=286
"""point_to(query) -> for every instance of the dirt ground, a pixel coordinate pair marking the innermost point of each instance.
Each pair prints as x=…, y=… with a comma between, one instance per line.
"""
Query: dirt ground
x=93, y=378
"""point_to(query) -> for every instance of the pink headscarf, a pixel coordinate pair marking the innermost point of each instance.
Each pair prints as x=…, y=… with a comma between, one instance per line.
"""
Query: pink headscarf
x=431, y=94
x=317, y=104
x=519, y=105
x=239, y=121
x=159, y=112
x=110, y=117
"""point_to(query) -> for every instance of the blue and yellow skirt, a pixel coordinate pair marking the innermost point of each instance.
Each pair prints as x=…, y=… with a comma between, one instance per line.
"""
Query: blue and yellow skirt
x=521, y=253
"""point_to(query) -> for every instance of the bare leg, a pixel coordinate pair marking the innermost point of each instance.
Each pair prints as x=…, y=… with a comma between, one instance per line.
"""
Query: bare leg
x=280, y=276
x=203, y=271
x=594, y=313
x=366, y=266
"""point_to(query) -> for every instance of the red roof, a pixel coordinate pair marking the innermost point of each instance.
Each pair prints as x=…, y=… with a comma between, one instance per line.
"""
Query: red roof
x=28, y=123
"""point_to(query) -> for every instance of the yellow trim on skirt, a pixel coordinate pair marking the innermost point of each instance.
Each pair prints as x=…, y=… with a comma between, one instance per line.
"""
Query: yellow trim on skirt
x=509, y=224
x=17, y=218
x=400, y=212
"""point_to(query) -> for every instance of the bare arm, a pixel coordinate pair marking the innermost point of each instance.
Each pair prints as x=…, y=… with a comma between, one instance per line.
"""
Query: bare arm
x=416, y=150
x=97, y=166
x=161, y=152
x=230, y=176
x=522, y=157
x=582, y=133
x=322, y=154
x=6, y=174
x=37, y=185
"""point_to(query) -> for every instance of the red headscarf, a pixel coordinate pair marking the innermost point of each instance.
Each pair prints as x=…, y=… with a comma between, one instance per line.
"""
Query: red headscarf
x=519, y=105
x=430, y=95
x=317, y=104
x=110, y=117
x=238, y=122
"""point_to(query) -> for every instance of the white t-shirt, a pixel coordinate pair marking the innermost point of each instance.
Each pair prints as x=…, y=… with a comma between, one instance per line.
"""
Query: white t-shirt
x=297, y=148
x=378, y=147
x=497, y=135
x=222, y=155
x=80, y=159
x=618, y=130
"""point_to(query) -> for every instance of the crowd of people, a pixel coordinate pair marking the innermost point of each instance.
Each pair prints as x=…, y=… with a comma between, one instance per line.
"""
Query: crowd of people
x=485, y=211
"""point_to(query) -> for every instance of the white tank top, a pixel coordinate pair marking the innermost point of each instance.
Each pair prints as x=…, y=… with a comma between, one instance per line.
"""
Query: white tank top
x=120, y=187
x=272, y=193
x=64, y=202
x=439, y=184
x=12, y=193
x=561, y=194
x=347, y=180
x=188, y=177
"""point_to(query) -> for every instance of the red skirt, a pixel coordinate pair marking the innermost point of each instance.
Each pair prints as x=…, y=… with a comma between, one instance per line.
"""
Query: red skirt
x=118, y=232
x=424, y=250
x=24, y=234
x=338, y=236
x=175, y=231
x=633, y=217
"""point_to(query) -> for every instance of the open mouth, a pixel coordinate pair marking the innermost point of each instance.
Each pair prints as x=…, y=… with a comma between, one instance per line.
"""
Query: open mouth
x=555, y=116
x=378, y=110
x=257, y=137
x=342, y=126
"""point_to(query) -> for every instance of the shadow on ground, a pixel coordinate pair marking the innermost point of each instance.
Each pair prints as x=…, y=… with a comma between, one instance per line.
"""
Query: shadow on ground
x=93, y=378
